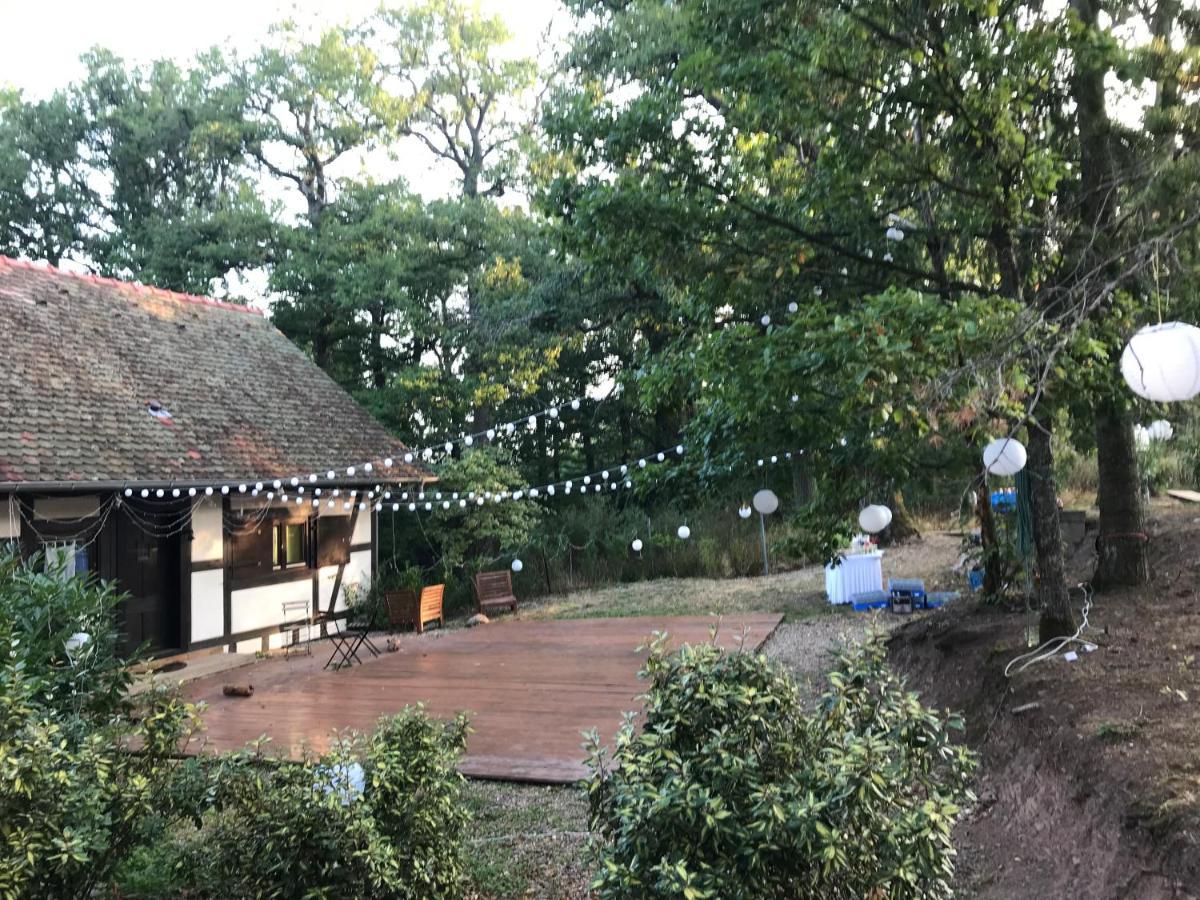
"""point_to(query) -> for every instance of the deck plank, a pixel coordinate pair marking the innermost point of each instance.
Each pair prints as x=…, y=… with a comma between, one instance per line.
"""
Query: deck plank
x=531, y=689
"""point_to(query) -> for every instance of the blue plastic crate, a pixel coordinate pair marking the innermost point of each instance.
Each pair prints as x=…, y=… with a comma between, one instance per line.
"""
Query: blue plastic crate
x=870, y=600
x=940, y=598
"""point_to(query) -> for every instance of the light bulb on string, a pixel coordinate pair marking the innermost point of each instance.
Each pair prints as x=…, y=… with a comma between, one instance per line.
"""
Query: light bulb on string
x=683, y=532
x=637, y=545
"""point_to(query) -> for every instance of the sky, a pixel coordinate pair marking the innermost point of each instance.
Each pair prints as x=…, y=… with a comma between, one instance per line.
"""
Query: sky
x=40, y=42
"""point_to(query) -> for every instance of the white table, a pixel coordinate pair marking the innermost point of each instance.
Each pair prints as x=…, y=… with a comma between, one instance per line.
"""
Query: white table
x=857, y=573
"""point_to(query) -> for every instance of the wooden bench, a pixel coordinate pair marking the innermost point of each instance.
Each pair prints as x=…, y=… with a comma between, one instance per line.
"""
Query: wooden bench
x=406, y=610
x=494, y=590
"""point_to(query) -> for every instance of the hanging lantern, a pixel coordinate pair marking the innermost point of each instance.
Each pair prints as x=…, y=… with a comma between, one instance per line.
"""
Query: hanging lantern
x=745, y=511
x=517, y=565
x=637, y=545
x=684, y=532
x=874, y=518
x=895, y=234
x=1004, y=456
x=1141, y=437
x=1162, y=362
x=1160, y=430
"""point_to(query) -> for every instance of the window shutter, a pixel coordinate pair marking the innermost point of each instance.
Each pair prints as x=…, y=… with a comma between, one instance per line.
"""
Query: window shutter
x=250, y=550
x=333, y=540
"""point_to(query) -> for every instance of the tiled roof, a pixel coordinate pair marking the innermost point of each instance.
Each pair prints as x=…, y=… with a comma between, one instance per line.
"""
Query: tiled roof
x=83, y=360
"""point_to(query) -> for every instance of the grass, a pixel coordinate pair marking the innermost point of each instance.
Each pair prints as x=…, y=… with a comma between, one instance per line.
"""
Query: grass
x=798, y=595
x=1118, y=730
x=527, y=840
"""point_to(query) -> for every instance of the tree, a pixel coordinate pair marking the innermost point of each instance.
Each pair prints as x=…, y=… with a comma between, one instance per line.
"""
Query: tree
x=770, y=151
x=46, y=202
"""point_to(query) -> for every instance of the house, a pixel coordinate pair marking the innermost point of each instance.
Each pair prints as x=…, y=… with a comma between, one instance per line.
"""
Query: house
x=185, y=449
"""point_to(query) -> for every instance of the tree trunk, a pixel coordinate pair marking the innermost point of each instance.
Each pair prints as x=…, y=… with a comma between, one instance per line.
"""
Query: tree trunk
x=1051, y=580
x=903, y=527
x=1121, y=546
x=993, y=561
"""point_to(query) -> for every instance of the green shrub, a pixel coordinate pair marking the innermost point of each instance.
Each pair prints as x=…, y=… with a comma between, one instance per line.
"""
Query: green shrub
x=729, y=789
x=73, y=800
x=374, y=817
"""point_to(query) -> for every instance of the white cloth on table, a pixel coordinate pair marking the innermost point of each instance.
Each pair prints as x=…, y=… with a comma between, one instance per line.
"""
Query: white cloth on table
x=856, y=574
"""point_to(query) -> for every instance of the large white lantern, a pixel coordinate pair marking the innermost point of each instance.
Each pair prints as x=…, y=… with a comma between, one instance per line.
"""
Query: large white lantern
x=1162, y=362
x=874, y=518
x=1160, y=430
x=765, y=502
x=684, y=532
x=1004, y=456
x=637, y=545
x=517, y=565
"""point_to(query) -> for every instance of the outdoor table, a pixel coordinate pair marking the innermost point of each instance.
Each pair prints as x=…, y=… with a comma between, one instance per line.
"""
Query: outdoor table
x=857, y=573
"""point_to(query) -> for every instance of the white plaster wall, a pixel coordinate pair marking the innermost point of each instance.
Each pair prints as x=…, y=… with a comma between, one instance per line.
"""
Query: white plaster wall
x=357, y=573
x=51, y=508
x=252, y=645
x=362, y=529
x=208, y=604
x=260, y=607
x=207, y=534
x=10, y=519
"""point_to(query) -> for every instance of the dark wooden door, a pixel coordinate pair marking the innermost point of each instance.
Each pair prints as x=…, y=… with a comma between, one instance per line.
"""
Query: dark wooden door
x=148, y=572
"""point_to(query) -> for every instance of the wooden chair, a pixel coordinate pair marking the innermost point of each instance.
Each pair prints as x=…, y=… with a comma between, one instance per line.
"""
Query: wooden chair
x=494, y=590
x=401, y=608
x=406, y=610
x=431, y=606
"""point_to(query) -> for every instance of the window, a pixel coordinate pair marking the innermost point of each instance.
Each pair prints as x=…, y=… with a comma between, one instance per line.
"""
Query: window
x=290, y=545
x=65, y=558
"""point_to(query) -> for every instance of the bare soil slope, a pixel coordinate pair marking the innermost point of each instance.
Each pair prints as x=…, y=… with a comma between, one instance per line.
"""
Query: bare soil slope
x=1090, y=777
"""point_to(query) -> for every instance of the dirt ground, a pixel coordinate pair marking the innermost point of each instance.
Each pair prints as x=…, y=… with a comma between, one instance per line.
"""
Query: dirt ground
x=1090, y=776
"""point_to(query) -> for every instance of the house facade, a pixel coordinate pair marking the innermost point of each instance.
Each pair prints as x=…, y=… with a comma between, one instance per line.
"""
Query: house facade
x=187, y=451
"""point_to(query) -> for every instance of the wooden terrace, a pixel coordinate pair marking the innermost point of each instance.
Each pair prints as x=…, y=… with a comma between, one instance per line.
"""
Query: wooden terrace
x=531, y=689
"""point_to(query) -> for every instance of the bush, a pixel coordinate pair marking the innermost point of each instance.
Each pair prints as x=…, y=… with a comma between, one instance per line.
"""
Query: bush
x=74, y=801
x=374, y=817
x=729, y=789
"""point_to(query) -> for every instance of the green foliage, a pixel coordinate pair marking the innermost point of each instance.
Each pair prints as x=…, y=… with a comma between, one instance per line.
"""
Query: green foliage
x=480, y=534
x=379, y=816
x=728, y=788
x=73, y=800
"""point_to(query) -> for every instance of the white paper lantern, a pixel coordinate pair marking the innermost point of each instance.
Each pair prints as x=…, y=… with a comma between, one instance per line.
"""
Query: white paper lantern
x=77, y=641
x=765, y=502
x=745, y=512
x=637, y=545
x=895, y=234
x=1160, y=430
x=517, y=565
x=684, y=532
x=1141, y=437
x=1162, y=362
x=874, y=518
x=1004, y=456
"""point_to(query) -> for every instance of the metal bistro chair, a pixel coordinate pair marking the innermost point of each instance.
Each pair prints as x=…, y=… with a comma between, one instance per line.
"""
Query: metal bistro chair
x=297, y=614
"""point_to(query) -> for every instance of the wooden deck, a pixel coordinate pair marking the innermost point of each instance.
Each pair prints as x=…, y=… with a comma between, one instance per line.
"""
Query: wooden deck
x=531, y=688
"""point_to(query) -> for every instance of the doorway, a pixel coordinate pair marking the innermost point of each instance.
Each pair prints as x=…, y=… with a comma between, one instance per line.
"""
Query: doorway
x=149, y=572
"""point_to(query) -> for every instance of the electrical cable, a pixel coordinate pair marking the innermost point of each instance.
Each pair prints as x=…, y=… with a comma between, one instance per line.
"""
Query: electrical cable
x=1050, y=648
